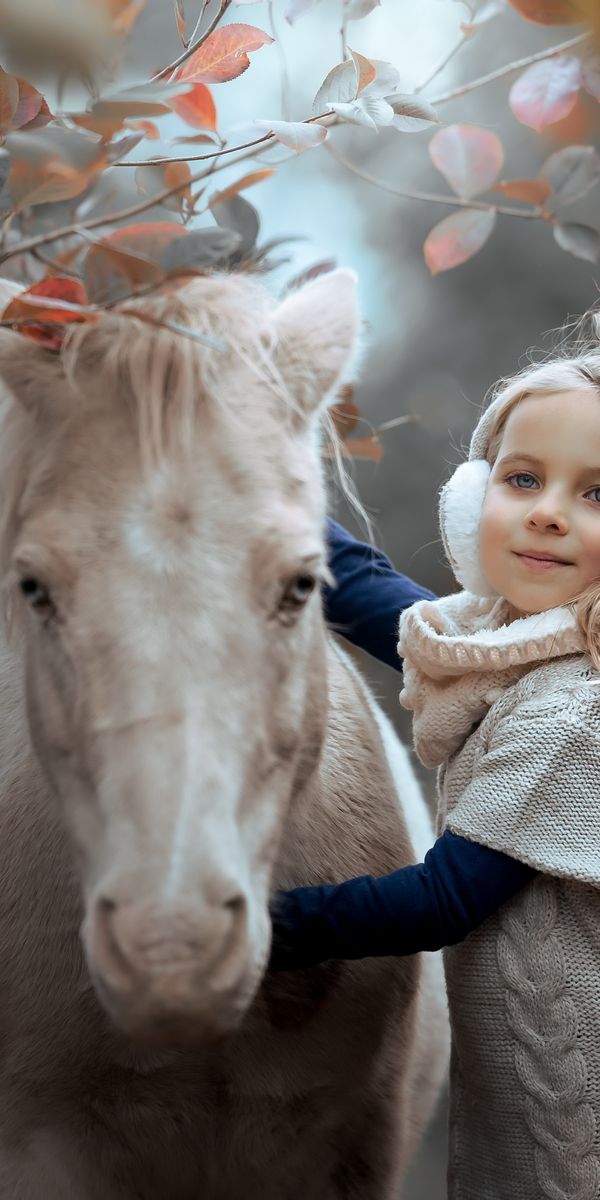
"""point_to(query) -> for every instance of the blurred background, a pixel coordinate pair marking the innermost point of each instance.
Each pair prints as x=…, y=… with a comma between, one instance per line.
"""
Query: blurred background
x=432, y=345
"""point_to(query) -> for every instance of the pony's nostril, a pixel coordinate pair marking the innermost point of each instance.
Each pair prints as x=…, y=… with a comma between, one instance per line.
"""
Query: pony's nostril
x=108, y=949
x=236, y=905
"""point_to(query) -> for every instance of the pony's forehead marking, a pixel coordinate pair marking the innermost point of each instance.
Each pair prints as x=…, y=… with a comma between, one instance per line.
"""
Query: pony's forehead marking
x=157, y=526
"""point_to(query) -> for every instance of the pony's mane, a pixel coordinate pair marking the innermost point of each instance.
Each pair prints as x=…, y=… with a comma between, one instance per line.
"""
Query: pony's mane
x=163, y=372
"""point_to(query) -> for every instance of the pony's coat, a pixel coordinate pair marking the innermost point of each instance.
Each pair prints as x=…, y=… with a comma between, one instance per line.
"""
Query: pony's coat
x=178, y=738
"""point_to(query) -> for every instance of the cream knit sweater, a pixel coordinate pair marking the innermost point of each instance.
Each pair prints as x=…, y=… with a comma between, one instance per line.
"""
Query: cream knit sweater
x=511, y=715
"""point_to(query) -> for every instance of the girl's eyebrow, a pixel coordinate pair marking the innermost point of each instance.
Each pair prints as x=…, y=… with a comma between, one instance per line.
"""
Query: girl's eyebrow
x=518, y=456
x=521, y=457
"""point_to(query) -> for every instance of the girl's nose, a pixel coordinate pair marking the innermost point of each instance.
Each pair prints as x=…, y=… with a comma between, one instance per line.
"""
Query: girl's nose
x=548, y=515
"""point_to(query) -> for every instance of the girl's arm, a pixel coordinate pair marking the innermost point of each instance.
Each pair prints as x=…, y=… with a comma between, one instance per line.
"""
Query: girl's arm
x=424, y=907
x=365, y=605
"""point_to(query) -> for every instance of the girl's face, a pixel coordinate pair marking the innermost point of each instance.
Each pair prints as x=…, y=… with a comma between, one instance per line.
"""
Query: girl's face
x=540, y=527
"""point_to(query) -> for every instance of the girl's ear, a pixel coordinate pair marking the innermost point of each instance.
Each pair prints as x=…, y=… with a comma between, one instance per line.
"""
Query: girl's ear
x=317, y=329
x=28, y=370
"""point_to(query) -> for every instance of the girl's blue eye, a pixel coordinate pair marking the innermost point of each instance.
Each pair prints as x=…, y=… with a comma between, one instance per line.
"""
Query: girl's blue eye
x=594, y=493
x=523, y=479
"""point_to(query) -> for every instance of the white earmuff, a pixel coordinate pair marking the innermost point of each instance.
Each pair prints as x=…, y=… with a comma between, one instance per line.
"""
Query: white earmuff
x=461, y=503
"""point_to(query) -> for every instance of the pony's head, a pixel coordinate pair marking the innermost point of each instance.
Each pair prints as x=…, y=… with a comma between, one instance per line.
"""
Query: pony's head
x=161, y=544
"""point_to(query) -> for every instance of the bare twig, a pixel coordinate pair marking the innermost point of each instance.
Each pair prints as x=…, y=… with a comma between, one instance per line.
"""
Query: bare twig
x=517, y=65
x=193, y=46
x=285, y=79
x=444, y=63
x=55, y=264
x=344, y=33
x=265, y=137
x=430, y=197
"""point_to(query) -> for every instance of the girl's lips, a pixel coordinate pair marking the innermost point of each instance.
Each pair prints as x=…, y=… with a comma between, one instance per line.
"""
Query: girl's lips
x=541, y=564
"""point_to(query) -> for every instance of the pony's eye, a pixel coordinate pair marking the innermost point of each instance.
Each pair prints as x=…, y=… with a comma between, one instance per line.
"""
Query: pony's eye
x=297, y=592
x=36, y=594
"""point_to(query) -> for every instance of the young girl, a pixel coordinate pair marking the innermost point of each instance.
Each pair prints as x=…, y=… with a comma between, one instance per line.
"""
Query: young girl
x=502, y=679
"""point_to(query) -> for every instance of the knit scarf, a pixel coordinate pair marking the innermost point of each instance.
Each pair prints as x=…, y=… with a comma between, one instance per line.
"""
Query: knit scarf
x=460, y=655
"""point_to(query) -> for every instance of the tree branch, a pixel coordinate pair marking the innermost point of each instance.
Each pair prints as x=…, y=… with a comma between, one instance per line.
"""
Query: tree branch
x=517, y=65
x=265, y=137
x=431, y=197
x=444, y=63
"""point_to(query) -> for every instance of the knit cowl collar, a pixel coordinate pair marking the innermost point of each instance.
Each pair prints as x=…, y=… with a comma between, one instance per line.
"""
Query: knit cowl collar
x=461, y=653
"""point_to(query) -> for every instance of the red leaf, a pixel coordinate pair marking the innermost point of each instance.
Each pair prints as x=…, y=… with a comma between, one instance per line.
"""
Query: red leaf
x=457, y=238
x=9, y=99
x=196, y=107
x=533, y=191
x=468, y=157
x=68, y=296
x=546, y=91
x=224, y=55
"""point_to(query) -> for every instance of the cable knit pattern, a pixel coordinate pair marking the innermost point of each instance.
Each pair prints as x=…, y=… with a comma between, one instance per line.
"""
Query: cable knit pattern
x=511, y=714
x=549, y=1064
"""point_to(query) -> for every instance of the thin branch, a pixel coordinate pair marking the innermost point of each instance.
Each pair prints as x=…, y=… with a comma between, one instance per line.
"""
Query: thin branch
x=193, y=46
x=344, y=33
x=55, y=264
x=517, y=65
x=444, y=63
x=284, y=73
x=44, y=239
x=430, y=197
x=187, y=158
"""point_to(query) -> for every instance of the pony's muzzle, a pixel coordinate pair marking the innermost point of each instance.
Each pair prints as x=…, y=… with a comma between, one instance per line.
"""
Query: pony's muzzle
x=170, y=975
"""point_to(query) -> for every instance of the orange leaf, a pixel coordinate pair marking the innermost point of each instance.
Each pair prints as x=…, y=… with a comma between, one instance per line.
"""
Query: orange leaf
x=547, y=12
x=533, y=191
x=239, y=185
x=148, y=127
x=124, y=13
x=345, y=414
x=224, y=55
x=367, y=448
x=457, y=238
x=196, y=107
x=130, y=254
x=53, y=179
x=177, y=173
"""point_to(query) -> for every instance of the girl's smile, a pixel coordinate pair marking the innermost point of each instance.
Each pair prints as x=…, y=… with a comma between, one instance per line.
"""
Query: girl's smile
x=540, y=562
x=540, y=525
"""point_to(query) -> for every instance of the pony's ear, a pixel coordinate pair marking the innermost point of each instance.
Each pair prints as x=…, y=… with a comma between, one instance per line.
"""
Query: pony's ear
x=27, y=369
x=317, y=330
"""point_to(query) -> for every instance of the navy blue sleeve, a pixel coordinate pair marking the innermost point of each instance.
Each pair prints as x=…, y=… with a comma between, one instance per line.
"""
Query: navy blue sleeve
x=424, y=907
x=369, y=596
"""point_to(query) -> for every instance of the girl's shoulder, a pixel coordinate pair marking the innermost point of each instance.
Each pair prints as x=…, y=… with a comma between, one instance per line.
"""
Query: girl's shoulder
x=568, y=686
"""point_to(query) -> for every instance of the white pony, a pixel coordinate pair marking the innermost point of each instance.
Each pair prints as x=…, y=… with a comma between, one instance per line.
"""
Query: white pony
x=179, y=737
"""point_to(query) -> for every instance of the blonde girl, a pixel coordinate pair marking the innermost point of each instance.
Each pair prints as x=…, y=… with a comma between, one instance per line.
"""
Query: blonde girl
x=502, y=678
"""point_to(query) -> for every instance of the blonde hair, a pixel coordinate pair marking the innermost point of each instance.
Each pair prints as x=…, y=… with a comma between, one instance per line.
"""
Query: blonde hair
x=573, y=366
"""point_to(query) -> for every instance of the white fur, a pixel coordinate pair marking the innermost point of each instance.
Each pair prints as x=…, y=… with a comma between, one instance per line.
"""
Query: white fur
x=461, y=503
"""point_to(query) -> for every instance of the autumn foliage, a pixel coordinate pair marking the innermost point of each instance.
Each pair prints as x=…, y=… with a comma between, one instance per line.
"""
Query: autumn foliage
x=77, y=261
